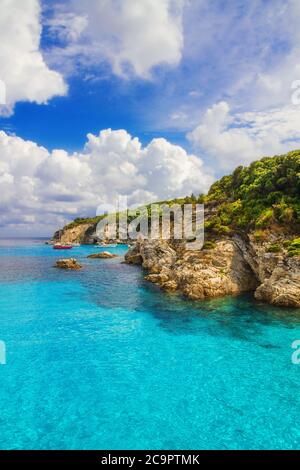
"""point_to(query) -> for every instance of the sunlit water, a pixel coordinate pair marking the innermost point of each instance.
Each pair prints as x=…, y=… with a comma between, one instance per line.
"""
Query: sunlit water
x=99, y=359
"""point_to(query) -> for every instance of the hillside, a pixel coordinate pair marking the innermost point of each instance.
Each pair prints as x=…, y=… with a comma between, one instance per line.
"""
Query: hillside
x=252, y=238
x=252, y=220
x=255, y=197
x=262, y=197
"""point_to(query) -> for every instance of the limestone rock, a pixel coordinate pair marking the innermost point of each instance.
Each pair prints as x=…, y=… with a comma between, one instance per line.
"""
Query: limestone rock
x=197, y=274
x=78, y=234
x=282, y=288
x=152, y=255
x=133, y=255
x=102, y=255
x=68, y=263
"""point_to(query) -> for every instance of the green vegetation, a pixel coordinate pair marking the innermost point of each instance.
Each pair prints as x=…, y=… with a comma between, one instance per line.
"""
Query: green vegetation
x=82, y=221
x=294, y=247
x=209, y=245
x=264, y=195
x=259, y=235
x=266, y=192
x=274, y=248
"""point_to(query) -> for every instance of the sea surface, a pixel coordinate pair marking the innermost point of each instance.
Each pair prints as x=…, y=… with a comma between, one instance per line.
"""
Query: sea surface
x=100, y=359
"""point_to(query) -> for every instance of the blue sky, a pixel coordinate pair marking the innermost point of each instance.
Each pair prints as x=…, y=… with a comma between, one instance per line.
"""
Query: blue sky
x=189, y=88
x=155, y=106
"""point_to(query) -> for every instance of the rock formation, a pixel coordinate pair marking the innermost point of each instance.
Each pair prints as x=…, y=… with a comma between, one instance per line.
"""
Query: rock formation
x=68, y=263
x=252, y=232
x=283, y=286
x=103, y=255
x=75, y=234
x=232, y=267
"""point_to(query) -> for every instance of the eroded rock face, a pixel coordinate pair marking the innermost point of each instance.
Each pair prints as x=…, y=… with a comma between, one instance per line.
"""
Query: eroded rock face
x=68, y=263
x=133, y=255
x=78, y=234
x=278, y=274
x=153, y=255
x=197, y=274
x=103, y=255
x=215, y=273
x=234, y=266
x=283, y=286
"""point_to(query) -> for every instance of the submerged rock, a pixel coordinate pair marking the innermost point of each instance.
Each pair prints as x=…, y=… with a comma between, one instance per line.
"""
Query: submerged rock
x=103, y=255
x=69, y=263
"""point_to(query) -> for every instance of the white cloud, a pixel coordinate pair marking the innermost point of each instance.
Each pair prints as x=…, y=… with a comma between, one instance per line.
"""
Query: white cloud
x=43, y=189
x=22, y=67
x=259, y=116
x=133, y=36
x=230, y=139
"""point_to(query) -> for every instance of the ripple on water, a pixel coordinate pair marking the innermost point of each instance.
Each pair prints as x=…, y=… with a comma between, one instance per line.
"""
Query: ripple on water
x=101, y=359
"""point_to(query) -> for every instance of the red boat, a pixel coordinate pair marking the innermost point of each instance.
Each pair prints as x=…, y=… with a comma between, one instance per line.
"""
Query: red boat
x=58, y=246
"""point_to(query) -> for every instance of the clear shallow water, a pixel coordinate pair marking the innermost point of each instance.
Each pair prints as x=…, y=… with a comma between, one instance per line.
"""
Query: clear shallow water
x=99, y=359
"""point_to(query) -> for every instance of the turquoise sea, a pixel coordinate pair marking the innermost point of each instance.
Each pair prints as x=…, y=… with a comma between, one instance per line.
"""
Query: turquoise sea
x=100, y=359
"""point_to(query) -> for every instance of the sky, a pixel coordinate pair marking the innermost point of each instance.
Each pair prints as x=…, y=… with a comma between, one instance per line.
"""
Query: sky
x=151, y=99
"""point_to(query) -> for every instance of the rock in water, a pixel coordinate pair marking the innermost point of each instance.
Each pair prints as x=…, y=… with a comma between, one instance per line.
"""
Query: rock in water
x=68, y=263
x=133, y=256
x=282, y=288
x=197, y=274
x=103, y=255
x=153, y=255
x=231, y=267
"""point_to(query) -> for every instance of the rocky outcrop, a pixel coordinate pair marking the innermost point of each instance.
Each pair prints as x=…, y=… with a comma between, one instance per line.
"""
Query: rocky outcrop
x=102, y=255
x=283, y=286
x=81, y=233
x=197, y=274
x=232, y=267
x=68, y=263
x=152, y=255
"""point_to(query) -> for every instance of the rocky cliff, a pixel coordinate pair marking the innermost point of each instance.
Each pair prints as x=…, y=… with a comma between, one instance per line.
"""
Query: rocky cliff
x=231, y=267
x=252, y=238
x=252, y=228
x=81, y=233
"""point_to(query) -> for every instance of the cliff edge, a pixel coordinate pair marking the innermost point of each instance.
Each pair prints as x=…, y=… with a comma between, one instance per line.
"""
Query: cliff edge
x=252, y=243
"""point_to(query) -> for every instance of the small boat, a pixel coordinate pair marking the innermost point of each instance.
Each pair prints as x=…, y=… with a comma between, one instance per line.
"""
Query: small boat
x=105, y=245
x=59, y=246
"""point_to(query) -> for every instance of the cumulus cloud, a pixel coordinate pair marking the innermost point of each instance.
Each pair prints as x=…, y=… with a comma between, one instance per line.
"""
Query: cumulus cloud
x=230, y=139
x=132, y=36
x=259, y=116
x=22, y=67
x=271, y=86
x=43, y=189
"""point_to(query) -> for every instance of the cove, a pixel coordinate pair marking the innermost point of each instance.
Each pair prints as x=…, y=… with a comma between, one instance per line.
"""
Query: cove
x=101, y=359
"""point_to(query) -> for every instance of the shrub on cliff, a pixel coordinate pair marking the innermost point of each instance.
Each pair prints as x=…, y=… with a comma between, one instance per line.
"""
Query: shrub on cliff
x=294, y=247
x=266, y=192
x=256, y=197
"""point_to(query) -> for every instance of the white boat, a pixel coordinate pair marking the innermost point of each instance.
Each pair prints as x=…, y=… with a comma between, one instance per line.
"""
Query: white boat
x=105, y=245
